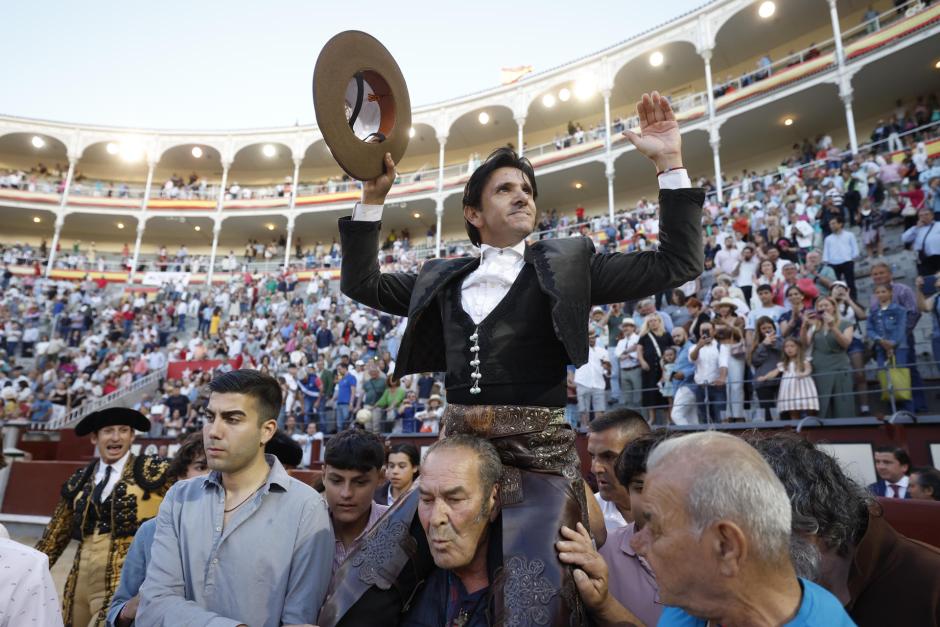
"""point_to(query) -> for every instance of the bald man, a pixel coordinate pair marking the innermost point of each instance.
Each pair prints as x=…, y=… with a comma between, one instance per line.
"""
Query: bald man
x=716, y=533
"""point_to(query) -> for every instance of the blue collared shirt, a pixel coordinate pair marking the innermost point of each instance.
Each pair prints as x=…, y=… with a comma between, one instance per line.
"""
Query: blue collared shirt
x=685, y=365
x=924, y=239
x=840, y=248
x=269, y=565
x=134, y=570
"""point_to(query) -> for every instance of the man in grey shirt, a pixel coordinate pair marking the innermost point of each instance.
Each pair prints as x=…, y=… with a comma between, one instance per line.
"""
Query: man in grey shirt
x=248, y=544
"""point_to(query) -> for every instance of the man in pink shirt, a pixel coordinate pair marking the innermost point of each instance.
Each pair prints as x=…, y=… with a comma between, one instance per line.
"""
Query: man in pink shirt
x=630, y=580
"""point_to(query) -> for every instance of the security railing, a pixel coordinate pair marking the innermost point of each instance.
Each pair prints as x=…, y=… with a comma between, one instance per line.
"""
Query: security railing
x=71, y=418
x=736, y=400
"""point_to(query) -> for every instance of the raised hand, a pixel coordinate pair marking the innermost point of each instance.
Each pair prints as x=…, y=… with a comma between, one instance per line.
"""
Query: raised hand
x=658, y=138
x=375, y=191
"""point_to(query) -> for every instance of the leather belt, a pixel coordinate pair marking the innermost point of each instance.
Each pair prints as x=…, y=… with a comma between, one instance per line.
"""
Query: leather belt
x=494, y=421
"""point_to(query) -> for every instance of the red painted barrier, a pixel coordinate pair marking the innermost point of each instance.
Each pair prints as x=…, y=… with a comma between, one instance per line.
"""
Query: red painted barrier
x=34, y=487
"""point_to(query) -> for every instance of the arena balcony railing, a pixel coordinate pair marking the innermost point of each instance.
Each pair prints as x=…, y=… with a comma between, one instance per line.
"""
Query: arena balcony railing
x=149, y=262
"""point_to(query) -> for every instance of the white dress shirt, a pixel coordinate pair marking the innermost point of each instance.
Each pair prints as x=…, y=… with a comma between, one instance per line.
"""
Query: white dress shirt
x=627, y=360
x=902, y=487
x=29, y=595
x=709, y=361
x=306, y=445
x=613, y=519
x=117, y=469
x=591, y=374
x=483, y=288
x=924, y=239
x=839, y=248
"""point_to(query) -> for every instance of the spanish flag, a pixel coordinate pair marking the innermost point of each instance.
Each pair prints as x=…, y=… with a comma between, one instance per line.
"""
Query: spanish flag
x=513, y=74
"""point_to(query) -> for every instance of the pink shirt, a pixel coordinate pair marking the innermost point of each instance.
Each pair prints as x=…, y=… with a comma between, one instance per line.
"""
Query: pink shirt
x=631, y=581
x=339, y=555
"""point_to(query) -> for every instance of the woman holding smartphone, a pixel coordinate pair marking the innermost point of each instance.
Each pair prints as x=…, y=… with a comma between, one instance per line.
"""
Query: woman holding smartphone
x=766, y=353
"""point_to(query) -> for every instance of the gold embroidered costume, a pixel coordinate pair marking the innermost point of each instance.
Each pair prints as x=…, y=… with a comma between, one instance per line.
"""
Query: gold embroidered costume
x=104, y=531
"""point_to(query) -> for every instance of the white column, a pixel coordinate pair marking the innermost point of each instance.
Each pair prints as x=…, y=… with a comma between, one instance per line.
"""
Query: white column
x=61, y=215
x=59, y=221
x=845, y=80
x=293, y=186
x=221, y=200
x=610, y=192
x=606, y=94
x=141, y=222
x=141, y=225
x=608, y=159
x=520, y=124
x=439, y=211
x=151, y=165
x=846, y=96
x=709, y=88
x=291, y=217
x=836, y=33
x=715, y=141
x=442, y=141
x=290, y=236
x=216, y=229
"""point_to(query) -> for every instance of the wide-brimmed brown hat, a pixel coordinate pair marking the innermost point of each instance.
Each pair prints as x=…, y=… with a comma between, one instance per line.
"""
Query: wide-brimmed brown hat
x=362, y=104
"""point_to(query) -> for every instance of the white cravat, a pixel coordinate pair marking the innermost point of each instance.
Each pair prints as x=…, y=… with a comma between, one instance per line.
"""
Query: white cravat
x=117, y=469
x=483, y=288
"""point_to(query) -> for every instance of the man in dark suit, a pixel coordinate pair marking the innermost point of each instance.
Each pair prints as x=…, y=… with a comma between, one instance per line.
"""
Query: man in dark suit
x=503, y=327
x=892, y=463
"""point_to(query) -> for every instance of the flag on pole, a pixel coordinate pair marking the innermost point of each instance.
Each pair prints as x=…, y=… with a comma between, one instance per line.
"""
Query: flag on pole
x=513, y=74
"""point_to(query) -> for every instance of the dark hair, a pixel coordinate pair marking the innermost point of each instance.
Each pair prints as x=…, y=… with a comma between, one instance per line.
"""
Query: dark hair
x=928, y=477
x=763, y=287
x=632, y=459
x=189, y=451
x=825, y=502
x=899, y=454
x=355, y=449
x=285, y=448
x=764, y=320
x=504, y=157
x=838, y=219
x=408, y=449
x=627, y=420
x=263, y=388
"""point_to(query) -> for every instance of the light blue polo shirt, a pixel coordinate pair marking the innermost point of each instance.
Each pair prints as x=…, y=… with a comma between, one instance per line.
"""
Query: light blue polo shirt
x=817, y=609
